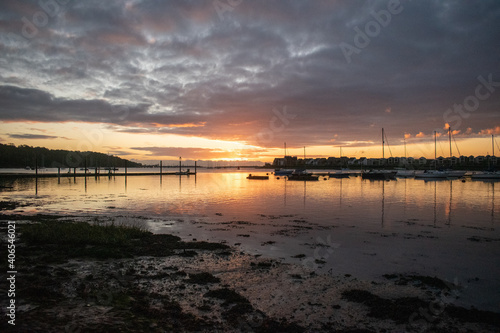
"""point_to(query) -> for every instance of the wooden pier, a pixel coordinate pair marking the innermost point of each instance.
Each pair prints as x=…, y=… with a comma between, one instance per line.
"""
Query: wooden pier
x=88, y=174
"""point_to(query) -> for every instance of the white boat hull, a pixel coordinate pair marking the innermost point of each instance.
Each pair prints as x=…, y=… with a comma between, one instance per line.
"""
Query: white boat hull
x=432, y=174
x=486, y=175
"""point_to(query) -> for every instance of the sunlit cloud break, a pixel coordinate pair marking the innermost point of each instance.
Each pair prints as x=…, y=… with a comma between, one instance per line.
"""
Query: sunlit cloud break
x=184, y=70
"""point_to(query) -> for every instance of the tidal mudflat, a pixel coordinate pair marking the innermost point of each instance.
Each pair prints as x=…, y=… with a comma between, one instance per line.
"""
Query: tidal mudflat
x=218, y=251
x=83, y=275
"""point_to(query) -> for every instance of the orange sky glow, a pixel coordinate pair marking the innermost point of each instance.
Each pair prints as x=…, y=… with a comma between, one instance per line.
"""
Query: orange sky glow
x=158, y=80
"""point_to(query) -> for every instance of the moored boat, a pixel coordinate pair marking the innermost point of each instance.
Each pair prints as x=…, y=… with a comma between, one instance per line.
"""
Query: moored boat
x=338, y=175
x=302, y=175
x=379, y=174
x=432, y=174
x=486, y=175
x=250, y=176
x=403, y=173
x=456, y=173
x=283, y=172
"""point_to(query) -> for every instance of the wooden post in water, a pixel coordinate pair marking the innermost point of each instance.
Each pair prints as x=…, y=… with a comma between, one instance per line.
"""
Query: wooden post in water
x=180, y=165
x=195, y=167
x=125, y=168
x=160, y=170
x=36, y=174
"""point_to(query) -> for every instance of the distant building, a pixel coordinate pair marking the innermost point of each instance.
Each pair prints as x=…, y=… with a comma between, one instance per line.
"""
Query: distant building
x=344, y=161
x=285, y=161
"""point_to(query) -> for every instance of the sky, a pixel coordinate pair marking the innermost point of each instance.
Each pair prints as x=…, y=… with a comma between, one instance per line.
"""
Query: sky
x=237, y=79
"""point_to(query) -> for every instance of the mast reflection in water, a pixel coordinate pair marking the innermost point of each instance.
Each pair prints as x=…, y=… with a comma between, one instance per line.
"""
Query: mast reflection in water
x=445, y=228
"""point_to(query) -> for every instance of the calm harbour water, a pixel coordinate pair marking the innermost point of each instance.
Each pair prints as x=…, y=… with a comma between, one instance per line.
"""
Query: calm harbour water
x=447, y=229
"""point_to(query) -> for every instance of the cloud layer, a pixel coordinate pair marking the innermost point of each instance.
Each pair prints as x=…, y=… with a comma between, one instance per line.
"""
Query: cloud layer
x=196, y=69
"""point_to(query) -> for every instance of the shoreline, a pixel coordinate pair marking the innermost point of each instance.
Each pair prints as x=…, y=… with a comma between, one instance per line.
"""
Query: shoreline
x=202, y=287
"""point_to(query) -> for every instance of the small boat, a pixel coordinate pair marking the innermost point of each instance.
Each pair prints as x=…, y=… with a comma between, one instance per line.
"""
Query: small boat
x=283, y=172
x=338, y=175
x=379, y=175
x=486, y=175
x=250, y=176
x=302, y=175
x=404, y=173
x=184, y=173
x=456, y=173
x=432, y=174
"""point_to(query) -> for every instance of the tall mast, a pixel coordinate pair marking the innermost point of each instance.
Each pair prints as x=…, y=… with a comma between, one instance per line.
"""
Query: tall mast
x=383, y=154
x=492, y=145
x=435, y=152
x=449, y=138
x=405, y=146
x=435, y=145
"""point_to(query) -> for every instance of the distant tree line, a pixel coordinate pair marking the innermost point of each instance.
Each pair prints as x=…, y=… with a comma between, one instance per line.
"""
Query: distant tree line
x=26, y=156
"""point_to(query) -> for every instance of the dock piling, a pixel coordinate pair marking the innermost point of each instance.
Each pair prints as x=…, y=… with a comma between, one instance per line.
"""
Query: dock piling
x=36, y=174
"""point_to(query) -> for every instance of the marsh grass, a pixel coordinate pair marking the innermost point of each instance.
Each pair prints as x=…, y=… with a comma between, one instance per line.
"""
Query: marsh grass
x=52, y=241
x=81, y=233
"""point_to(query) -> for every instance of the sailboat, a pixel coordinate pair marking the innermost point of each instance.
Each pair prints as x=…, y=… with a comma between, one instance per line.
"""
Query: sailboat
x=488, y=175
x=432, y=174
x=404, y=172
x=451, y=172
x=440, y=174
x=302, y=174
x=380, y=174
x=281, y=171
x=343, y=172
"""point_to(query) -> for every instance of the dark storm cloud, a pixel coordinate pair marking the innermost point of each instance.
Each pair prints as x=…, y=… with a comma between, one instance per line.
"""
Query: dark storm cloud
x=32, y=136
x=185, y=67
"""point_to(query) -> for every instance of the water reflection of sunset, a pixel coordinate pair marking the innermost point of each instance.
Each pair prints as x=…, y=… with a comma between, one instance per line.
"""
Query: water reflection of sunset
x=208, y=193
x=380, y=226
